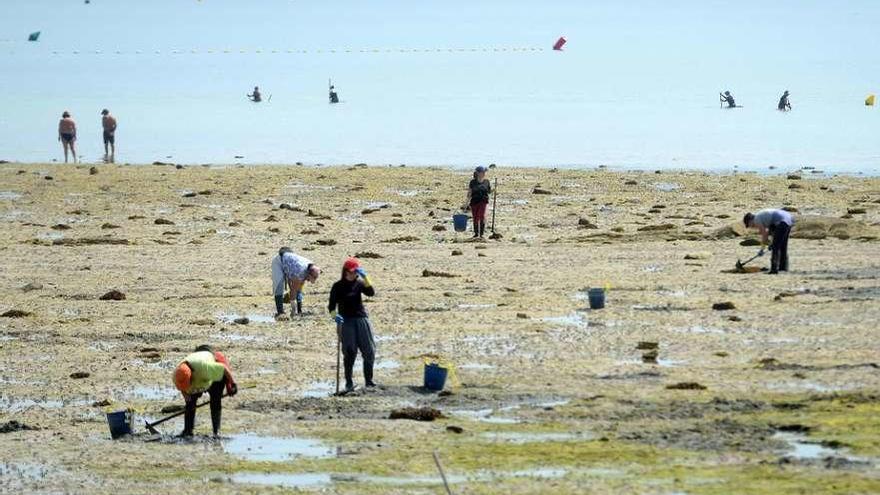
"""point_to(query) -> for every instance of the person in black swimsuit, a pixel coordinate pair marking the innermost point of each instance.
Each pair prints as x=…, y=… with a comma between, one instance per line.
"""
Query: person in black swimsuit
x=67, y=134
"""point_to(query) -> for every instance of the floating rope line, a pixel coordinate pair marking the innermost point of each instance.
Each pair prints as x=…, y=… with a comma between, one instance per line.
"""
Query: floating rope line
x=259, y=51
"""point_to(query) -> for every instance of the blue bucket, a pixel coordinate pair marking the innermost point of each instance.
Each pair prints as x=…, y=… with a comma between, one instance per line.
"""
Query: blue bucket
x=435, y=377
x=597, y=298
x=459, y=220
x=120, y=423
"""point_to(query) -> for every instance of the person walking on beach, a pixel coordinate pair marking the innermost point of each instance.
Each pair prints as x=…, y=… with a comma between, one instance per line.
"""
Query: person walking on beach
x=291, y=270
x=352, y=322
x=108, y=122
x=255, y=96
x=67, y=134
x=204, y=371
x=777, y=223
x=479, y=189
x=726, y=97
x=784, y=105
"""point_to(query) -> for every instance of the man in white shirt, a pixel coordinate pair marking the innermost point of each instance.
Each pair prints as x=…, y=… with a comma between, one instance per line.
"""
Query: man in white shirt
x=291, y=270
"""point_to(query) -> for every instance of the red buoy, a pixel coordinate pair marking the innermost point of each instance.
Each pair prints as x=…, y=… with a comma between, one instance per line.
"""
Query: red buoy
x=558, y=45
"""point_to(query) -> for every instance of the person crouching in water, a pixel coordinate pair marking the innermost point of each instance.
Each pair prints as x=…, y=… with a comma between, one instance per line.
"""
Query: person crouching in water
x=352, y=323
x=203, y=371
x=478, y=199
x=777, y=223
x=291, y=270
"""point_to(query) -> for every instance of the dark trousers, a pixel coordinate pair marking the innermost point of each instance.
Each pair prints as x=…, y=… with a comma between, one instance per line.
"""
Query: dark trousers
x=357, y=334
x=189, y=416
x=779, y=248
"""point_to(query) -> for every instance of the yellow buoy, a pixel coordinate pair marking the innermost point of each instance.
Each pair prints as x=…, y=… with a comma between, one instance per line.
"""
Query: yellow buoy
x=869, y=101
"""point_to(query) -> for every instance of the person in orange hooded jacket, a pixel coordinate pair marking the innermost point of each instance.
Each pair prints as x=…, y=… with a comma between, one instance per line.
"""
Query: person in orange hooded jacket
x=204, y=371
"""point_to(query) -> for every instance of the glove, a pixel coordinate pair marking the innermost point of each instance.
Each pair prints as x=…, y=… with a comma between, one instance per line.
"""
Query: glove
x=361, y=272
x=761, y=252
x=233, y=389
x=338, y=319
x=299, y=297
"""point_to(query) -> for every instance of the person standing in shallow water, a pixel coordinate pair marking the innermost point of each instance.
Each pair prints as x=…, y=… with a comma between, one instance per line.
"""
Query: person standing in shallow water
x=352, y=322
x=479, y=189
x=726, y=97
x=256, y=97
x=784, y=104
x=67, y=134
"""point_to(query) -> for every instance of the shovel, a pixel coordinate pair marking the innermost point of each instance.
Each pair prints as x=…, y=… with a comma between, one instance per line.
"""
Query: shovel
x=151, y=427
x=741, y=264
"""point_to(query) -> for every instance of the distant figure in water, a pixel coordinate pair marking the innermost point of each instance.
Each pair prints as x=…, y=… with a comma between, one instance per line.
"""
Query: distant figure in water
x=256, y=97
x=67, y=134
x=726, y=97
x=784, y=104
x=334, y=98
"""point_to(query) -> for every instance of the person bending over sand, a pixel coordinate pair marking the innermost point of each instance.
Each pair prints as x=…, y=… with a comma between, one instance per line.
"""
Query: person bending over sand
x=203, y=371
x=289, y=269
x=777, y=223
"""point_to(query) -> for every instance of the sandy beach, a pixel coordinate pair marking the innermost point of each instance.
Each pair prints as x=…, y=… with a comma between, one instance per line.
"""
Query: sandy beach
x=777, y=395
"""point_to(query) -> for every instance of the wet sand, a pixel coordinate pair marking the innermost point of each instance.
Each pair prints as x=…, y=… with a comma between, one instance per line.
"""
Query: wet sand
x=779, y=395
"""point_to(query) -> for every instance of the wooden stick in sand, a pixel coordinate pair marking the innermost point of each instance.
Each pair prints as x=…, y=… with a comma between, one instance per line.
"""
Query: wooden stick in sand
x=442, y=474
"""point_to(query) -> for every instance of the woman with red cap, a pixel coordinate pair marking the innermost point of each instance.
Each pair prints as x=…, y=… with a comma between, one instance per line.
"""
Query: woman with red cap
x=352, y=322
x=203, y=371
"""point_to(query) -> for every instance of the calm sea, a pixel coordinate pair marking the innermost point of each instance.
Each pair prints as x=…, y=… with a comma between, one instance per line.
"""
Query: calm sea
x=447, y=83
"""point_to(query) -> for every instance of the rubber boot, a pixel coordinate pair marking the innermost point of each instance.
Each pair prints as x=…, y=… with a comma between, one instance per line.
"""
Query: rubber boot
x=279, y=305
x=189, y=419
x=349, y=382
x=476, y=230
x=482, y=228
x=368, y=374
x=216, y=413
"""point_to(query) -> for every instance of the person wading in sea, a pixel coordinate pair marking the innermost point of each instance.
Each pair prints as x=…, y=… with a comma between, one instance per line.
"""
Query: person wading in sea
x=726, y=97
x=255, y=96
x=784, y=104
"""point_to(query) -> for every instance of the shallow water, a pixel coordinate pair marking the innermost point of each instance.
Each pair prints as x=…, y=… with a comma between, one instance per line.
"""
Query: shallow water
x=254, y=318
x=307, y=480
x=9, y=195
x=151, y=393
x=319, y=390
x=12, y=404
x=800, y=448
x=287, y=480
x=525, y=437
x=483, y=415
x=387, y=364
x=276, y=449
x=573, y=319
